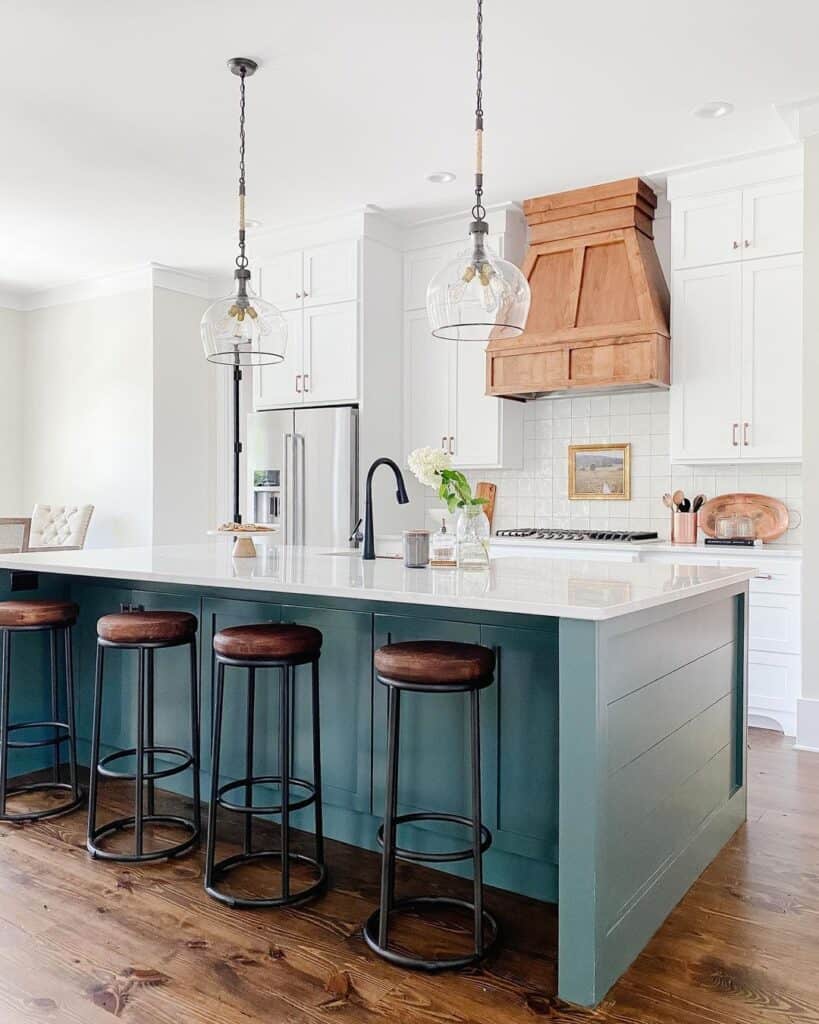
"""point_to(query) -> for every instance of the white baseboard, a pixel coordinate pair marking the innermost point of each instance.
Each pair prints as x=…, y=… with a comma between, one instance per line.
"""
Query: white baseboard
x=807, y=725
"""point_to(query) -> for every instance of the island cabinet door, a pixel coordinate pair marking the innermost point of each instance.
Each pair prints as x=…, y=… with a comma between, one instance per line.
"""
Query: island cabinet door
x=521, y=752
x=345, y=686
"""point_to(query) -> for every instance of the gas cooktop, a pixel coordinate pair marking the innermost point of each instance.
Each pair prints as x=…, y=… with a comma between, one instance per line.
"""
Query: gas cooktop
x=555, y=533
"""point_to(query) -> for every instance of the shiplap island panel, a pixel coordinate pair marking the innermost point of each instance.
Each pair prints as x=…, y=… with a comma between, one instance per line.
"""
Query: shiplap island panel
x=613, y=735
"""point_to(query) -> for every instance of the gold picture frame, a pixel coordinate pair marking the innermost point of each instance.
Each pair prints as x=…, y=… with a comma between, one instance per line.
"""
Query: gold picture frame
x=600, y=472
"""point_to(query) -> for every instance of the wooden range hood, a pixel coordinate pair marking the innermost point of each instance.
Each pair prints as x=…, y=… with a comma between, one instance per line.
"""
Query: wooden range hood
x=599, y=314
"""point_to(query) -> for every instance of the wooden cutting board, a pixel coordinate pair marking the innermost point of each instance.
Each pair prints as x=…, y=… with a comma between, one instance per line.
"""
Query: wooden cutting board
x=488, y=491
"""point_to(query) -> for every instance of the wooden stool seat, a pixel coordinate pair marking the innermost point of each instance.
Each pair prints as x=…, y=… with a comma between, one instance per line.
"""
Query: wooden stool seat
x=147, y=627
x=267, y=641
x=37, y=613
x=434, y=662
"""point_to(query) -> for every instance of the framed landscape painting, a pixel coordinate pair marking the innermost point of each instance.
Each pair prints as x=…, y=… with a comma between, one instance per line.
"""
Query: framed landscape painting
x=600, y=471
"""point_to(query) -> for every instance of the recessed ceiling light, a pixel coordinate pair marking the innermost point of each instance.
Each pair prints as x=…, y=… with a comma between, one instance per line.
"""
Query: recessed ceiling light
x=441, y=177
x=714, y=109
x=250, y=223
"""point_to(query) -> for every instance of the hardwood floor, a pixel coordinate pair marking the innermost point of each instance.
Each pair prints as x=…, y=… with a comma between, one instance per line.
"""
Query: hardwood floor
x=82, y=941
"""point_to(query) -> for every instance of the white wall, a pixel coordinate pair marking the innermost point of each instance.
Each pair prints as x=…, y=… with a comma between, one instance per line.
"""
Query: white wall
x=11, y=408
x=87, y=417
x=184, y=421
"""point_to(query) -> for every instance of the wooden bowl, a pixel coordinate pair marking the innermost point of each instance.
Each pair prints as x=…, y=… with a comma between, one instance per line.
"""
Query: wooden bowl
x=770, y=517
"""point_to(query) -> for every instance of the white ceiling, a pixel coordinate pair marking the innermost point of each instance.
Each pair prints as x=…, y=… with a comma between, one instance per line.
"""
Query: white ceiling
x=118, y=121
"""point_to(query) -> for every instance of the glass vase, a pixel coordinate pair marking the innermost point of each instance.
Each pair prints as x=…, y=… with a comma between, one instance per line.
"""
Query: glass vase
x=472, y=537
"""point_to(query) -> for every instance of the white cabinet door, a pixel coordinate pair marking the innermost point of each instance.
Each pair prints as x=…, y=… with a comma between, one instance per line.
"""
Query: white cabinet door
x=476, y=429
x=427, y=380
x=331, y=353
x=706, y=363
x=281, y=280
x=775, y=623
x=772, y=358
x=772, y=219
x=331, y=273
x=774, y=684
x=706, y=230
x=420, y=266
x=278, y=385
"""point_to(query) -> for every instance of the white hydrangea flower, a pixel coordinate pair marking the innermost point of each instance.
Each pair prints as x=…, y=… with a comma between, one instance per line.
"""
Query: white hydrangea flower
x=427, y=463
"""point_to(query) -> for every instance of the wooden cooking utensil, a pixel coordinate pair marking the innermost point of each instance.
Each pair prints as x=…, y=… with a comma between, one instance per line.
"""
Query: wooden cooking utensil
x=668, y=501
x=488, y=491
x=677, y=497
x=769, y=516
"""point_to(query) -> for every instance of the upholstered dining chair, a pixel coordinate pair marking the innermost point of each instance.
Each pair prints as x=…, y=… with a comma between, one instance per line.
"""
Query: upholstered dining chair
x=49, y=526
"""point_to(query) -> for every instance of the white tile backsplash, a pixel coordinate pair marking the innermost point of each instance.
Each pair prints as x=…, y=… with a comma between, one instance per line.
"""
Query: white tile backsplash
x=537, y=494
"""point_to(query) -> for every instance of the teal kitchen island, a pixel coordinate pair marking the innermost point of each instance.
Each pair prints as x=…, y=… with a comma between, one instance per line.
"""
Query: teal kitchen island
x=613, y=736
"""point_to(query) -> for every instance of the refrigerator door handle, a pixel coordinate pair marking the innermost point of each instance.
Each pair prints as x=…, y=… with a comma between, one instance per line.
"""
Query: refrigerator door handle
x=299, y=457
x=287, y=488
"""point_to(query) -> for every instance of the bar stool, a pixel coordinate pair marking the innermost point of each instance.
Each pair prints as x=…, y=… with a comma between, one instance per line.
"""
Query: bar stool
x=146, y=633
x=283, y=647
x=53, y=617
x=431, y=667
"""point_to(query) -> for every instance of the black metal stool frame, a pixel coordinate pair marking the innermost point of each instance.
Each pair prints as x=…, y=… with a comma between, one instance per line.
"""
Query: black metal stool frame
x=216, y=870
x=376, y=928
x=145, y=747
x=64, y=732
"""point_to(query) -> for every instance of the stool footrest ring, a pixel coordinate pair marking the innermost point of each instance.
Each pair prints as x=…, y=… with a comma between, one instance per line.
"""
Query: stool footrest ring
x=52, y=741
x=419, y=963
x=161, y=773
x=419, y=857
x=50, y=812
x=121, y=824
x=223, y=867
x=294, y=805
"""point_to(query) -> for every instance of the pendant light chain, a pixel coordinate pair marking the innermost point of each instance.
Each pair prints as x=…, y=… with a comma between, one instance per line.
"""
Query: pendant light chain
x=478, y=210
x=241, y=259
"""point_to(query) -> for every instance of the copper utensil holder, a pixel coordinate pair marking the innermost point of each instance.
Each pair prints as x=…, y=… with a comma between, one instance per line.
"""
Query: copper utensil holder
x=685, y=527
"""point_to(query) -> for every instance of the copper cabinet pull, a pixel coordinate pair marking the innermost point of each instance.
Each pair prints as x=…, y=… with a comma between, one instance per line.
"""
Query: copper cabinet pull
x=745, y=440
x=307, y=382
x=736, y=245
x=298, y=383
x=452, y=446
x=443, y=442
x=734, y=440
x=763, y=576
x=747, y=244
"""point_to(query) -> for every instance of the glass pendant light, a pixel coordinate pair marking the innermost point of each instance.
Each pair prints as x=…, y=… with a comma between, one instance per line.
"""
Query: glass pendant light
x=243, y=329
x=478, y=296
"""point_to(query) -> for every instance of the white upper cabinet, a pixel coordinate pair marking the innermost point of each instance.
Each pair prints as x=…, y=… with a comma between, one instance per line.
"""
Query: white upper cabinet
x=476, y=430
x=772, y=358
x=420, y=266
x=736, y=314
x=279, y=384
x=331, y=353
x=737, y=224
x=706, y=330
x=772, y=219
x=428, y=380
x=330, y=273
x=706, y=229
x=317, y=290
x=281, y=280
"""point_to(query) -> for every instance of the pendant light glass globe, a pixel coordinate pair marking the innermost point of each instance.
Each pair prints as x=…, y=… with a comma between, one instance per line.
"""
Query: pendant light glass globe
x=478, y=296
x=244, y=330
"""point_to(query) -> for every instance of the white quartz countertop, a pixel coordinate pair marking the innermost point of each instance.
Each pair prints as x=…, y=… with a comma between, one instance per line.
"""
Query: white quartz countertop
x=748, y=555
x=570, y=588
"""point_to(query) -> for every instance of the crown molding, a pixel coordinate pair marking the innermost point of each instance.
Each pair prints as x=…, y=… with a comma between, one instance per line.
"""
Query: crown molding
x=134, y=279
x=802, y=118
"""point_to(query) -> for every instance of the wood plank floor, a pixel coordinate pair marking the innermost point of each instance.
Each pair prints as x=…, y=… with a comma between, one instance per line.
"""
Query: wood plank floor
x=83, y=941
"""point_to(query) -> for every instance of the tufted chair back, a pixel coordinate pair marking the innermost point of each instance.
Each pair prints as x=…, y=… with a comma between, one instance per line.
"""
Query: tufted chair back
x=58, y=526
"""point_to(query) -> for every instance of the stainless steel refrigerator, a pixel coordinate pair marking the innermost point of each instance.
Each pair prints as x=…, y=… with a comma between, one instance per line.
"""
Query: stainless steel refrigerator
x=303, y=474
